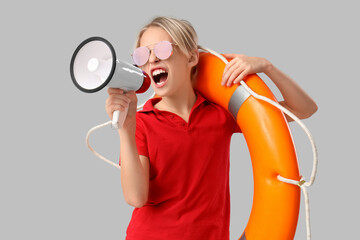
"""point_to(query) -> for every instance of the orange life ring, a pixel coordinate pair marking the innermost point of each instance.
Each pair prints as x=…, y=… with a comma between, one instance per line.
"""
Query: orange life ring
x=275, y=208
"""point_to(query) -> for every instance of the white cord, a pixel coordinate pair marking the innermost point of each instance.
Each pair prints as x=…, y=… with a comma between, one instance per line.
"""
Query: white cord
x=142, y=105
x=104, y=125
x=91, y=149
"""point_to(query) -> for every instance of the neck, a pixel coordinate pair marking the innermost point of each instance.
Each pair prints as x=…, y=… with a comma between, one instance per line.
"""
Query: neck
x=179, y=103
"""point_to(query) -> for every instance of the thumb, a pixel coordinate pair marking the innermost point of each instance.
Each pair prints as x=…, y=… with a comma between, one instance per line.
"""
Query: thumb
x=230, y=55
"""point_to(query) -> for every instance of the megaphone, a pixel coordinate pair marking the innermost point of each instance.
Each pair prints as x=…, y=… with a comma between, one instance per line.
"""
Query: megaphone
x=94, y=65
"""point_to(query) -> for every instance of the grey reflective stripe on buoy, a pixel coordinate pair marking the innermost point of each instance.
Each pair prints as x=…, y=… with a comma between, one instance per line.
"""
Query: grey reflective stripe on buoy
x=237, y=99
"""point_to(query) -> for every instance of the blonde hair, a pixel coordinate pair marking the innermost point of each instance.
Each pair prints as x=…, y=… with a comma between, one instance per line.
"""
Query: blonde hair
x=181, y=31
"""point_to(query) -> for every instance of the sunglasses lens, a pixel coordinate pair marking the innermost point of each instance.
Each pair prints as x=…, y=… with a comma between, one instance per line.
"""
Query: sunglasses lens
x=141, y=56
x=163, y=50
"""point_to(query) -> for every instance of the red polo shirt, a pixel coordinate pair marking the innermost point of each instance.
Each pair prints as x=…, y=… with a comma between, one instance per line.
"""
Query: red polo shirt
x=189, y=196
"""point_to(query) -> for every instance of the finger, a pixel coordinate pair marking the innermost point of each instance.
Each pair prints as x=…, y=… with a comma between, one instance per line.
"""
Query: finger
x=227, y=66
x=233, y=56
x=110, y=109
x=133, y=97
x=227, y=71
x=115, y=91
x=241, y=77
x=115, y=102
x=238, y=64
x=123, y=100
x=119, y=107
x=233, y=61
x=119, y=96
x=230, y=55
x=131, y=94
x=113, y=106
x=234, y=71
x=234, y=75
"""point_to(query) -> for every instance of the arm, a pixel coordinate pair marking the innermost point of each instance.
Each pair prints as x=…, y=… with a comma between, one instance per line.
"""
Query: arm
x=296, y=99
x=134, y=168
x=134, y=171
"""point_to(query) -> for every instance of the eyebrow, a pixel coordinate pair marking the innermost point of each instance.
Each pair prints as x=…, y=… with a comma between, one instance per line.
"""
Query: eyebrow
x=157, y=43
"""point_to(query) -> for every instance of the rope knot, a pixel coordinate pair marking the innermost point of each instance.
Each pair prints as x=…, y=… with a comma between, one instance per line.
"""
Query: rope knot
x=301, y=182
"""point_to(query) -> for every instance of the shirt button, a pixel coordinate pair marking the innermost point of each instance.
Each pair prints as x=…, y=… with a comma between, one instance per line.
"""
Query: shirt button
x=171, y=116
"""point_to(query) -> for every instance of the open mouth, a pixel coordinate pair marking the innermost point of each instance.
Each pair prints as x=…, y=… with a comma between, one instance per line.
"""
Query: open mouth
x=159, y=76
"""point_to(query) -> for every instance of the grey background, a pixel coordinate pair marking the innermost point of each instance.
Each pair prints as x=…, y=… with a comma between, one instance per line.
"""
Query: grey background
x=53, y=187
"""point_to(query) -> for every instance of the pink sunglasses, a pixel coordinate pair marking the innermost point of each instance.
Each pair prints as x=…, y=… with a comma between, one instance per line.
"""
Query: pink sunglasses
x=162, y=50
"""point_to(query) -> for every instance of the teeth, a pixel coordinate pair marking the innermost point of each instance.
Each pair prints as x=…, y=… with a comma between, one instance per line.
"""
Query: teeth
x=158, y=71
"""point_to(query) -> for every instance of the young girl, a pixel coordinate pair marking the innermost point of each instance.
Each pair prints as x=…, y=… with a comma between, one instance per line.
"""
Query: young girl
x=174, y=154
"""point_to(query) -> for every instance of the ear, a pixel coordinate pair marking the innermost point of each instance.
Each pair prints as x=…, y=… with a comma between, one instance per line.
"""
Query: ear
x=194, y=58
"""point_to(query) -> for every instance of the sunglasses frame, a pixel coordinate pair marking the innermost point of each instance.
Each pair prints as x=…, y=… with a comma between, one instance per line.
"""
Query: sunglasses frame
x=153, y=49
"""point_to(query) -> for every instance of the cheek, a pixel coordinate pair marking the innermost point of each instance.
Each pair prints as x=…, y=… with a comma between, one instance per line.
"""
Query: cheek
x=145, y=69
x=182, y=69
x=180, y=76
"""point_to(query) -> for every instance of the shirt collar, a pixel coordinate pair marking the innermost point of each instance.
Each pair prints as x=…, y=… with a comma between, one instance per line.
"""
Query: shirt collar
x=149, y=105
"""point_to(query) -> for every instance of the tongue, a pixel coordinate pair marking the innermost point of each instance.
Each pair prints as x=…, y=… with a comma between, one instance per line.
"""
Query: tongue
x=163, y=78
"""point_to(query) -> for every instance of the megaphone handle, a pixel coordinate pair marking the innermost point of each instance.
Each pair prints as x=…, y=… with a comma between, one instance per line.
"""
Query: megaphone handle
x=119, y=118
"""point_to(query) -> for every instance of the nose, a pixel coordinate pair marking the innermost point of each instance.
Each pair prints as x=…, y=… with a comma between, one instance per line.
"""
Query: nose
x=152, y=57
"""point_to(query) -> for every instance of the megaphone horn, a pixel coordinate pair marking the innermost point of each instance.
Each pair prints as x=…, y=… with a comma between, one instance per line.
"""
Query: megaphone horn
x=94, y=65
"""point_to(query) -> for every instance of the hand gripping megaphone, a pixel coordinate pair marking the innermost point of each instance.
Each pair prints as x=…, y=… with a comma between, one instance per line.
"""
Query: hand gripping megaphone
x=94, y=65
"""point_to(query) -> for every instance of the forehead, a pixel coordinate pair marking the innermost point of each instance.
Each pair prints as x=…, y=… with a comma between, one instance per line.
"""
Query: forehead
x=154, y=35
